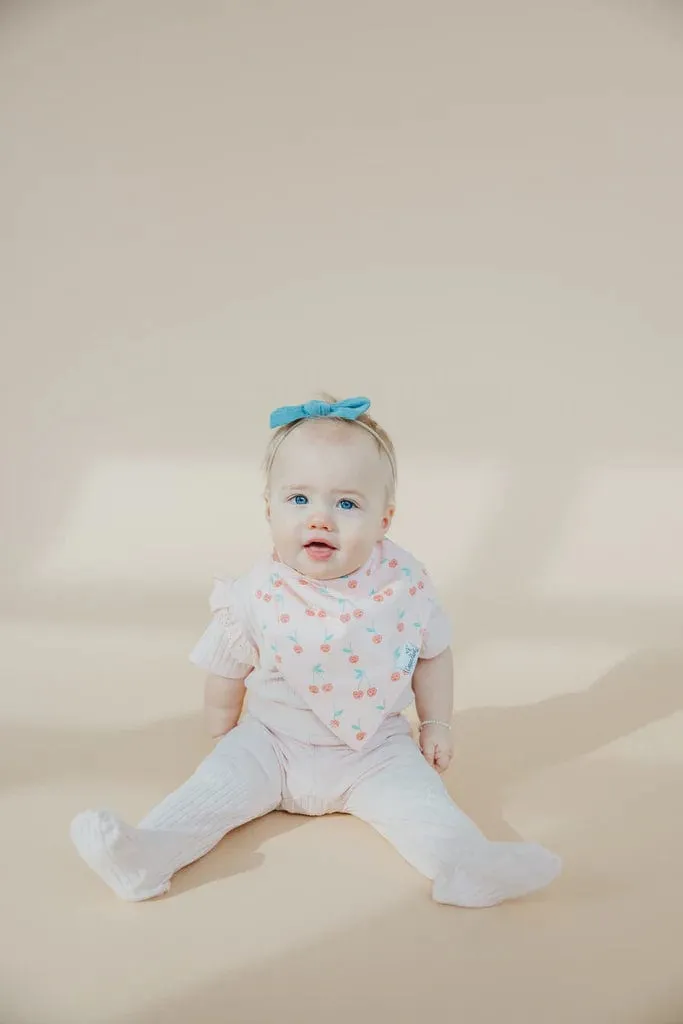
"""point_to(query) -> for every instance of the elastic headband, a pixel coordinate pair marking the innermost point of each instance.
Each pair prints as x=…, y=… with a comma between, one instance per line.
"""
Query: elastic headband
x=347, y=409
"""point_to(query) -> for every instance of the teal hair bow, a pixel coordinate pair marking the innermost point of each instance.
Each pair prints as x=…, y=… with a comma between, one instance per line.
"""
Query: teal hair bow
x=347, y=409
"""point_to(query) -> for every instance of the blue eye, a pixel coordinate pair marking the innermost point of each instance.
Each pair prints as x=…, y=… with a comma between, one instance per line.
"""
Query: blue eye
x=299, y=499
x=346, y=504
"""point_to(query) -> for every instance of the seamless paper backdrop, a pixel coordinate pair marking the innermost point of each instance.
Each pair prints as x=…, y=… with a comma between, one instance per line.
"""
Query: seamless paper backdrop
x=471, y=213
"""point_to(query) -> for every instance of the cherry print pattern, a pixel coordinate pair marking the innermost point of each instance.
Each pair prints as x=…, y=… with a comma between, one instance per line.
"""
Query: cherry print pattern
x=333, y=643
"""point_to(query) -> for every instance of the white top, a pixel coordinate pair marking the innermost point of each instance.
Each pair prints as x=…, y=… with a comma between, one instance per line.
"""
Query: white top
x=340, y=652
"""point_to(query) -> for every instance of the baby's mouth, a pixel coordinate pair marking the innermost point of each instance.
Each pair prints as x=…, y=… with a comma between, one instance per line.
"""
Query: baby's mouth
x=319, y=549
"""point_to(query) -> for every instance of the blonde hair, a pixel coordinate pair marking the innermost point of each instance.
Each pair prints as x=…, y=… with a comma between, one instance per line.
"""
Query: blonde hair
x=385, y=445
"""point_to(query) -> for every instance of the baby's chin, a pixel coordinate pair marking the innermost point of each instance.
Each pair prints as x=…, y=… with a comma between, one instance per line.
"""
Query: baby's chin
x=332, y=569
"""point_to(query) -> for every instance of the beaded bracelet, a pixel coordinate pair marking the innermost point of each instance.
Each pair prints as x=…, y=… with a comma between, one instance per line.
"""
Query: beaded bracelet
x=435, y=721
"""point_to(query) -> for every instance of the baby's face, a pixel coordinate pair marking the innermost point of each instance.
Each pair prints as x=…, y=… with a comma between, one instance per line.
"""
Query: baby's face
x=327, y=499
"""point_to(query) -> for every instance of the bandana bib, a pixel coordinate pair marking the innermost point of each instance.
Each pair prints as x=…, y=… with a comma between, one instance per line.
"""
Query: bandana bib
x=349, y=646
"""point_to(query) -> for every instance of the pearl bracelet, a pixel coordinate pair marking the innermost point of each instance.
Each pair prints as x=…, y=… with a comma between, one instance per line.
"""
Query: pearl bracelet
x=435, y=721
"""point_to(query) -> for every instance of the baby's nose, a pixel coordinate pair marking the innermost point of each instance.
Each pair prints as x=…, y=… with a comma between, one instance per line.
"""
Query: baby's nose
x=319, y=519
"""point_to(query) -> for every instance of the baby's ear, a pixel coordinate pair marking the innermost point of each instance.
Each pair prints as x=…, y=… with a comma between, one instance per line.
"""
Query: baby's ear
x=387, y=518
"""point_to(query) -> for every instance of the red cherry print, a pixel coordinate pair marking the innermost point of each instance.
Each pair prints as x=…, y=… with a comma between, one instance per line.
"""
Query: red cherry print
x=266, y=597
x=314, y=689
x=388, y=592
x=335, y=723
x=353, y=659
x=372, y=691
x=277, y=583
x=328, y=688
x=259, y=594
x=345, y=617
x=357, y=694
x=358, y=613
x=377, y=597
x=421, y=585
x=310, y=612
x=413, y=591
x=395, y=676
x=298, y=649
x=303, y=583
x=377, y=638
x=352, y=584
x=322, y=614
x=360, y=736
x=400, y=627
x=284, y=618
x=393, y=563
x=278, y=659
x=325, y=648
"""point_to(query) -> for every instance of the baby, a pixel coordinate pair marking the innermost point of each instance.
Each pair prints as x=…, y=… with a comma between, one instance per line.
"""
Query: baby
x=334, y=634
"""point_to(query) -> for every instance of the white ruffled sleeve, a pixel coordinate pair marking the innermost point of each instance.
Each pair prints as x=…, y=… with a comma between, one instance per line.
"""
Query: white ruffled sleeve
x=226, y=648
x=438, y=633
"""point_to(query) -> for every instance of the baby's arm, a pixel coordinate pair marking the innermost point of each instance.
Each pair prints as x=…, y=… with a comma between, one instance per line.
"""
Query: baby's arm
x=433, y=689
x=223, y=700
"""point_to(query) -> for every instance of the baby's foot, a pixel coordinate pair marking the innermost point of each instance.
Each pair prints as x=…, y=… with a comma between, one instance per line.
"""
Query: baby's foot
x=490, y=874
x=121, y=855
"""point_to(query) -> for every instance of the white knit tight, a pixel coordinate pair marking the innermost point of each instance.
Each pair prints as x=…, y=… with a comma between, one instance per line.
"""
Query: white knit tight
x=253, y=771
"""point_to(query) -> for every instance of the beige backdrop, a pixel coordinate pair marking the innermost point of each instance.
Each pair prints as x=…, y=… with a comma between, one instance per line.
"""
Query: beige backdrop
x=471, y=212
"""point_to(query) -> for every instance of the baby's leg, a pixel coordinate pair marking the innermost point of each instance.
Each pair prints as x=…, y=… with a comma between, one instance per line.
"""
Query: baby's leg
x=240, y=780
x=405, y=800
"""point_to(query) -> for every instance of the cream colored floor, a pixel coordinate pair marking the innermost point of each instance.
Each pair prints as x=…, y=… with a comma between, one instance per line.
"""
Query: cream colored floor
x=293, y=918
x=470, y=212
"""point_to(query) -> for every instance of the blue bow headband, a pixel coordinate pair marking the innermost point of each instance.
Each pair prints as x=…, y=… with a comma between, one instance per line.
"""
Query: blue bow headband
x=348, y=409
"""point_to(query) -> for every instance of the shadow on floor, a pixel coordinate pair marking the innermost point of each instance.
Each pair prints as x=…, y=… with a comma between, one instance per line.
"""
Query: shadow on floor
x=498, y=750
x=601, y=951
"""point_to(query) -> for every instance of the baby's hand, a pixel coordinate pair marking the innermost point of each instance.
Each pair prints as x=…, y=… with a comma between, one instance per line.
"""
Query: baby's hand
x=436, y=744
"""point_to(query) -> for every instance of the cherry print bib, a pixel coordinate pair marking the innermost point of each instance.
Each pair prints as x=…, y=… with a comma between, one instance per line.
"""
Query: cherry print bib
x=347, y=646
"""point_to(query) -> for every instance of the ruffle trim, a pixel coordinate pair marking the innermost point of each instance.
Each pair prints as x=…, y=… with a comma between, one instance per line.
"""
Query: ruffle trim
x=224, y=648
